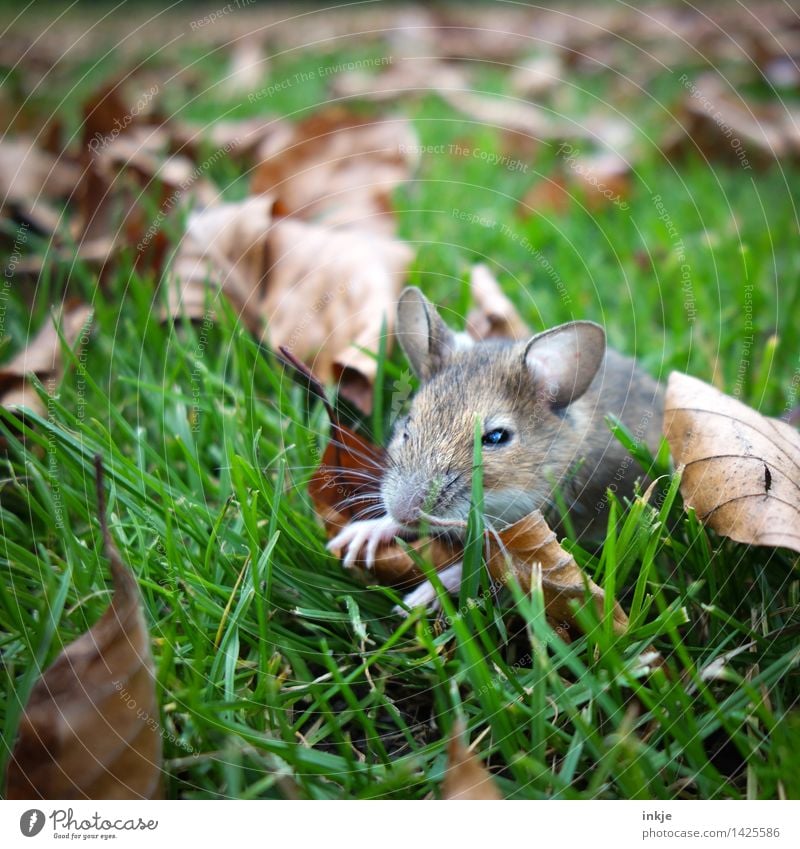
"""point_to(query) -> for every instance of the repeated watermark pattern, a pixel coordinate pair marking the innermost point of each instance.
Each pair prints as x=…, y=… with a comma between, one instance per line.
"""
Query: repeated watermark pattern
x=99, y=142
x=569, y=154
x=131, y=703
x=748, y=338
x=456, y=149
x=213, y=17
x=718, y=118
x=679, y=250
x=320, y=72
x=196, y=377
x=177, y=194
x=20, y=239
x=523, y=242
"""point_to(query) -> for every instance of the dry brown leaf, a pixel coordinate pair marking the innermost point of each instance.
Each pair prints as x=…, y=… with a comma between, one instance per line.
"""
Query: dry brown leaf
x=415, y=76
x=602, y=177
x=466, y=778
x=527, y=546
x=125, y=152
x=740, y=469
x=340, y=169
x=722, y=124
x=328, y=292
x=29, y=174
x=347, y=457
x=321, y=292
x=42, y=357
x=251, y=139
x=224, y=247
x=117, y=176
x=511, y=113
x=90, y=728
x=494, y=315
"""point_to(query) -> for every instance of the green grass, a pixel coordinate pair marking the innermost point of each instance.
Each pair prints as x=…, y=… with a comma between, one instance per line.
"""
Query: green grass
x=278, y=673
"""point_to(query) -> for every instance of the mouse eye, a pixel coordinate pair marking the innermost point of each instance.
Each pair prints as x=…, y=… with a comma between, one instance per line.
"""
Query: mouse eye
x=498, y=436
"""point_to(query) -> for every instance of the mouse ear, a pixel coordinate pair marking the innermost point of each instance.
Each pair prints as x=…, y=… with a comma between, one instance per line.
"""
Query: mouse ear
x=425, y=339
x=564, y=360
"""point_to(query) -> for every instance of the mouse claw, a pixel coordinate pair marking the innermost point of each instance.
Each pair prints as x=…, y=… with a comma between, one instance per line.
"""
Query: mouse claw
x=368, y=532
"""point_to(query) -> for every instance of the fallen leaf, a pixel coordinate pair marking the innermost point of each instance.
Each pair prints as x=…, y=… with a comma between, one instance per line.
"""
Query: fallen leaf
x=328, y=294
x=90, y=728
x=511, y=113
x=249, y=139
x=740, y=468
x=601, y=177
x=340, y=169
x=466, y=778
x=722, y=124
x=29, y=174
x=42, y=357
x=224, y=248
x=125, y=153
x=407, y=78
x=528, y=544
x=538, y=75
x=322, y=292
x=494, y=316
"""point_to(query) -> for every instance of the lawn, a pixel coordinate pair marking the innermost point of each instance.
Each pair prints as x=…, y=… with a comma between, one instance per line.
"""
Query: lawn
x=280, y=674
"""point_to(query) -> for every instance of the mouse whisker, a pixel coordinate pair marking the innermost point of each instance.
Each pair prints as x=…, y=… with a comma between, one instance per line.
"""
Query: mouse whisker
x=368, y=512
x=360, y=498
x=353, y=473
x=370, y=460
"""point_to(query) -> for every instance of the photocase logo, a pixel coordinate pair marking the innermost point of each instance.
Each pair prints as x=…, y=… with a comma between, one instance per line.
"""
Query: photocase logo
x=31, y=822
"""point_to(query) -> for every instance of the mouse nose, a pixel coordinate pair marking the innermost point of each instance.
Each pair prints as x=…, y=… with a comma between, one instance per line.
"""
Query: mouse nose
x=404, y=497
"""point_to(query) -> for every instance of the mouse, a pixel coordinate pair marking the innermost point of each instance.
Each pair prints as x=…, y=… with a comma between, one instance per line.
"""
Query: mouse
x=541, y=404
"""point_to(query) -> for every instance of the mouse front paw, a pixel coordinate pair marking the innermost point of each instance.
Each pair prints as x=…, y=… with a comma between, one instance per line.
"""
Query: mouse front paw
x=366, y=534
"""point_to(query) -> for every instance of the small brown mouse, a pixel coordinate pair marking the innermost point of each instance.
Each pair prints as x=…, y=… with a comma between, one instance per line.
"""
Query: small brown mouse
x=541, y=404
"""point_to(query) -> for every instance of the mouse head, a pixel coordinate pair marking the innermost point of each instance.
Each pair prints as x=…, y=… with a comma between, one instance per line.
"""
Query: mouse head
x=520, y=392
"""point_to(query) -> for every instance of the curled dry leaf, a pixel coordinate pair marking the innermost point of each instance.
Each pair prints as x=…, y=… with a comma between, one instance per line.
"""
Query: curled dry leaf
x=90, y=728
x=529, y=545
x=42, y=357
x=494, y=316
x=466, y=777
x=740, y=469
x=125, y=154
